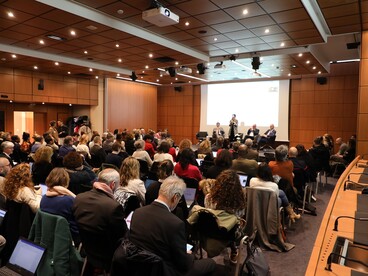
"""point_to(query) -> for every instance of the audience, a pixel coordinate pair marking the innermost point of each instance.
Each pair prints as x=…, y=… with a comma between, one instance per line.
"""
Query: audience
x=141, y=154
x=246, y=166
x=114, y=157
x=163, y=152
x=282, y=166
x=223, y=161
x=7, y=148
x=251, y=153
x=184, y=168
x=19, y=187
x=66, y=147
x=42, y=165
x=156, y=229
x=98, y=153
x=148, y=146
x=321, y=155
x=25, y=147
x=82, y=146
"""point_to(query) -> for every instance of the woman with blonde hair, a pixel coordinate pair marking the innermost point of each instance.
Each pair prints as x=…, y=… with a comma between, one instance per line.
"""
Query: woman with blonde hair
x=83, y=146
x=58, y=200
x=19, y=187
x=42, y=165
x=130, y=182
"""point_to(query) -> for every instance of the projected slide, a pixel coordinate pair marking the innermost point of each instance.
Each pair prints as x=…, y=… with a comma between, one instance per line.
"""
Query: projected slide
x=262, y=103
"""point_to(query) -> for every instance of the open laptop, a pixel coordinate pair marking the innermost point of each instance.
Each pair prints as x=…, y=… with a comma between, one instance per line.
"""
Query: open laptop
x=24, y=260
x=243, y=179
x=189, y=195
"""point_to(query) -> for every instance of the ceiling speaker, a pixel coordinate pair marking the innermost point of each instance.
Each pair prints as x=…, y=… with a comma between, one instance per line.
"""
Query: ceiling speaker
x=40, y=84
x=321, y=80
x=177, y=88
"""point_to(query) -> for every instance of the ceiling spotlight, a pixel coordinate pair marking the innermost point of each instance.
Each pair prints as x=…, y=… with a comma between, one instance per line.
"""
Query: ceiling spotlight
x=232, y=58
x=256, y=63
x=201, y=68
x=133, y=76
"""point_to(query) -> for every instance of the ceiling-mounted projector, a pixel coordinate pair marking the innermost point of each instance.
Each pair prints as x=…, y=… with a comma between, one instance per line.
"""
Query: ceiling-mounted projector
x=184, y=70
x=160, y=16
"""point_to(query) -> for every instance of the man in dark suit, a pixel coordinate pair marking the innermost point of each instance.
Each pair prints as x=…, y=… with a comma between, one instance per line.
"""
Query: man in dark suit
x=100, y=219
x=156, y=229
x=7, y=148
x=252, y=132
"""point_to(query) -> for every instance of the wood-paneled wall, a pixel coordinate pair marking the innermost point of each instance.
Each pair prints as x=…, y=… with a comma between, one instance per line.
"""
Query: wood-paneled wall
x=130, y=105
x=22, y=86
x=179, y=112
x=316, y=109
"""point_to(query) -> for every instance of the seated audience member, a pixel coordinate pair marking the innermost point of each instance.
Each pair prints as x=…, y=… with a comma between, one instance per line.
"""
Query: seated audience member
x=271, y=132
x=219, y=144
x=321, y=155
x=282, y=166
x=83, y=146
x=129, y=144
x=114, y=157
x=223, y=161
x=342, y=146
x=141, y=154
x=235, y=149
x=264, y=180
x=163, y=152
x=304, y=155
x=300, y=170
x=227, y=194
x=148, y=146
x=218, y=131
x=81, y=177
x=25, y=147
x=156, y=229
x=75, y=139
x=130, y=182
x=184, y=168
x=5, y=168
x=348, y=155
x=100, y=219
x=50, y=142
x=172, y=150
x=42, y=165
x=38, y=142
x=19, y=187
x=107, y=144
x=63, y=131
x=53, y=131
x=252, y=154
x=16, y=155
x=204, y=151
x=246, y=166
x=7, y=149
x=184, y=144
x=98, y=152
x=252, y=132
x=67, y=147
x=328, y=142
x=119, y=139
x=59, y=200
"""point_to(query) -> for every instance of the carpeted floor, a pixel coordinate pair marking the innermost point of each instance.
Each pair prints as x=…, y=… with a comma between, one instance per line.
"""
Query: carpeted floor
x=302, y=233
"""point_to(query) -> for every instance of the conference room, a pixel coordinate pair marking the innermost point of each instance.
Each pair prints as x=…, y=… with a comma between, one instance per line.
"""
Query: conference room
x=186, y=65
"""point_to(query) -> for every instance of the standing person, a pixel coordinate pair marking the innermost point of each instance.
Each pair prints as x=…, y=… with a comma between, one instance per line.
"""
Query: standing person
x=53, y=132
x=156, y=229
x=233, y=128
x=218, y=131
x=62, y=131
x=25, y=147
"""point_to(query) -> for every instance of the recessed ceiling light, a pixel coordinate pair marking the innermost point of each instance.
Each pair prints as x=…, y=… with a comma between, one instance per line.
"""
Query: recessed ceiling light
x=150, y=55
x=43, y=102
x=236, y=50
x=10, y=14
x=267, y=31
x=319, y=72
x=307, y=62
x=56, y=63
x=72, y=32
x=14, y=56
x=282, y=44
x=293, y=66
x=157, y=80
x=86, y=52
x=289, y=74
x=146, y=67
x=118, y=75
x=35, y=67
x=143, y=71
x=120, y=11
x=91, y=28
x=141, y=77
x=171, y=83
x=189, y=81
x=10, y=101
x=90, y=69
x=70, y=104
x=120, y=60
x=161, y=75
x=314, y=67
x=56, y=37
x=69, y=72
x=215, y=39
x=187, y=23
x=245, y=11
x=42, y=42
x=176, y=62
x=300, y=55
x=176, y=79
x=197, y=72
x=96, y=77
x=117, y=45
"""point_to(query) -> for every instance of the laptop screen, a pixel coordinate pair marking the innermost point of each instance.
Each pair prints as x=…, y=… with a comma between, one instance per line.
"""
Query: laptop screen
x=26, y=256
x=189, y=195
x=243, y=179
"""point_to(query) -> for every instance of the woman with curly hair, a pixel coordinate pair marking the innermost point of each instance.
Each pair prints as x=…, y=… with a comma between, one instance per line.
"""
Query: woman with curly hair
x=130, y=182
x=42, y=165
x=19, y=187
x=227, y=194
x=204, y=151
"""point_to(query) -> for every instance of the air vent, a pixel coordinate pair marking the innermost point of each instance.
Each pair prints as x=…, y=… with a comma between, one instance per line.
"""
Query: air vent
x=83, y=75
x=164, y=59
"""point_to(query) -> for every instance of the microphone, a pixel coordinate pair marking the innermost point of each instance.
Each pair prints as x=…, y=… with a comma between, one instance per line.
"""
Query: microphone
x=329, y=260
x=349, y=217
x=353, y=182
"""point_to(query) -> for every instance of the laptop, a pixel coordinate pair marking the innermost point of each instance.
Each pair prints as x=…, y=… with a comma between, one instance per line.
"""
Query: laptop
x=189, y=195
x=43, y=188
x=199, y=161
x=128, y=219
x=243, y=179
x=2, y=215
x=214, y=154
x=24, y=260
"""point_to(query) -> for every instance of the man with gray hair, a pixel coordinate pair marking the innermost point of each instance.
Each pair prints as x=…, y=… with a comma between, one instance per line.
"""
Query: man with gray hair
x=100, y=219
x=251, y=154
x=244, y=165
x=5, y=167
x=7, y=149
x=155, y=229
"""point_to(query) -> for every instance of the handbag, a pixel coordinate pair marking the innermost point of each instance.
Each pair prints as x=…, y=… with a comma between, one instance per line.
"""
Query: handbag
x=255, y=264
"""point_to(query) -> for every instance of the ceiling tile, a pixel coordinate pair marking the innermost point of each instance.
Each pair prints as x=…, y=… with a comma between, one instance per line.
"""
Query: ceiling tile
x=112, y=9
x=214, y=17
x=253, y=10
x=342, y=10
x=230, y=3
x=195, y=7
x=218, y=53
x=250, y=41
x=194, y=42
x=239, y=35
x=215, y=38
x=297, y=25
x=43, y=23
x=226, y=45
x=274, y=29
x=62, y=17
x=178, y=36
x=275, y=37
x=290, y=15
x=304, y=34
x=259, y=47
x=228, y=27
x=309, y=41
x=271, y=6
x=257, y=21
x=208, y=31
x=193, y=23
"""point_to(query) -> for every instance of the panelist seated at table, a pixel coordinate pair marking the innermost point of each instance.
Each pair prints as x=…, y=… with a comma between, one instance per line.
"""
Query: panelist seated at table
x=218, y=131
x=268, y=135
x=252, y=132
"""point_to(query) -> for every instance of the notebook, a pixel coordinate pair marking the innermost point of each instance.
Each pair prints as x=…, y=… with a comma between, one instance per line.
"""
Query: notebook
x=24, y=260
x=243, y=179
x=189, y=195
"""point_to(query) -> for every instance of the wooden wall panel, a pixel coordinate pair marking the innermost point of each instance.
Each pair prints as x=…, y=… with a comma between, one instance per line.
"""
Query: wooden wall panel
x=362, y=131
x=131, y=105
x=331, y=108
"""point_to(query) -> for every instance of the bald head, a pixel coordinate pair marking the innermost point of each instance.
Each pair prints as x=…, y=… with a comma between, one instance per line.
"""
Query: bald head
x=242, y=151
x=249, y=142
x=4, y=166
x=293, y=152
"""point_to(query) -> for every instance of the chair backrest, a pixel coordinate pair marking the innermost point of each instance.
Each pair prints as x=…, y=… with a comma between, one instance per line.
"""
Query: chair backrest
x=95, y=161
x=17, y=222
x=131, y=204
x=143, y=169
x=131, y=260
x=152, y=174
x=61, y=256
x=207, y=226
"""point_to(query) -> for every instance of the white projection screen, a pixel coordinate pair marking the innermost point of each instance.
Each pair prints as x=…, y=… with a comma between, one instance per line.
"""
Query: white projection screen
x=261, y=103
